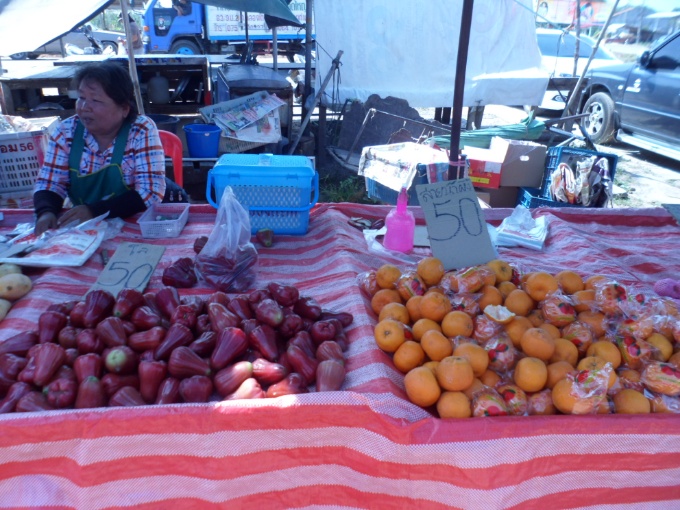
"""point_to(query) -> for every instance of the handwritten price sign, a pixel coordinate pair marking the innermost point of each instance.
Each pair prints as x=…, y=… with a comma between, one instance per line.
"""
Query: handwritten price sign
x=455, y=223
x=130, y=267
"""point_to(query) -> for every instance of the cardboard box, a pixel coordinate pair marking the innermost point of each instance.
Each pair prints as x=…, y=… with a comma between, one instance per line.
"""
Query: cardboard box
x=501, y=197
x=506, y=163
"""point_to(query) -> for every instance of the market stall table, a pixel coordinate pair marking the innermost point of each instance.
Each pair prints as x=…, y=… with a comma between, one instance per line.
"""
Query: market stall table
x=365, y=446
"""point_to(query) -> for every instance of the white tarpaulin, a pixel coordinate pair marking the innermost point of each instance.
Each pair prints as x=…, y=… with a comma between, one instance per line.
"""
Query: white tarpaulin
x=28, y=24
x=408, y=49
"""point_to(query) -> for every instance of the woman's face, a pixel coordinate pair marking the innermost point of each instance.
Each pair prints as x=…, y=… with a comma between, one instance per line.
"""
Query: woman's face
x=97, y=111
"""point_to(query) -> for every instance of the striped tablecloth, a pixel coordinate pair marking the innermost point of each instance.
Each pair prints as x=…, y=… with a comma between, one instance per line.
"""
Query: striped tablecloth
x=365, y=446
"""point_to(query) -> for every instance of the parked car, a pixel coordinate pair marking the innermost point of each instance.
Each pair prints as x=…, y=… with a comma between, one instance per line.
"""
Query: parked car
x=558, y=52
x=108, y=39
x=638, y=103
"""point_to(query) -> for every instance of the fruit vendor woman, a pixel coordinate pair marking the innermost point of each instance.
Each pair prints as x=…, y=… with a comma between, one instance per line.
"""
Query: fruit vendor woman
x=105, y=158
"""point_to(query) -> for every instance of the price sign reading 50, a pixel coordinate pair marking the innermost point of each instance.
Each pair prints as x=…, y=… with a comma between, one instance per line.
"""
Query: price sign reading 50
x=131, y=266
x=455, y=223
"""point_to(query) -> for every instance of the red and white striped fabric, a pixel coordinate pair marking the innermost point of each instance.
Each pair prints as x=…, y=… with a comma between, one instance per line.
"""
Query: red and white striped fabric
x=365, y=446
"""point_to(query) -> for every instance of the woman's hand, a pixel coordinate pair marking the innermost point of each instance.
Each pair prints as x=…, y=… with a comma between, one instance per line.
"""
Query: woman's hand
x=45, y=222
x=79, y=213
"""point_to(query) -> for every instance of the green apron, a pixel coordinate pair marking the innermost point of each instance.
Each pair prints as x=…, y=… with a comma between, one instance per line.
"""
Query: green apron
x=105, y=183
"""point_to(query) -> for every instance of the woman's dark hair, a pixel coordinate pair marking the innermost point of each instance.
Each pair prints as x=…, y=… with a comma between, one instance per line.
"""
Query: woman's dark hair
x=114, y=79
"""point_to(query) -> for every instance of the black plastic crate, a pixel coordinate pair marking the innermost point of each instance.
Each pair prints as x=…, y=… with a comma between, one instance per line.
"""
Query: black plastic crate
x=571, y=156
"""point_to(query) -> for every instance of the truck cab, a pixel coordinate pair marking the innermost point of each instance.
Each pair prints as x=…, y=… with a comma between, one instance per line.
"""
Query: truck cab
x=174, y=30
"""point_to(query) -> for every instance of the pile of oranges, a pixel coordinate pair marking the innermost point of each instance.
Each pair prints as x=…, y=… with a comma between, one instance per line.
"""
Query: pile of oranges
x=489, y=341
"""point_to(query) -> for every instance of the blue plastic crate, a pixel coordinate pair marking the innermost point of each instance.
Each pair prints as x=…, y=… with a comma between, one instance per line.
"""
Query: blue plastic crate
x=571, y=156
x=277, y=191
x=531, y=198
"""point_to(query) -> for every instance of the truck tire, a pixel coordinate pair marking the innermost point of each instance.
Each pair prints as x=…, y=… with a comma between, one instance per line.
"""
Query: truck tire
x=600, y=123
x=19, y=56
x=110, y=48
x=185, y=47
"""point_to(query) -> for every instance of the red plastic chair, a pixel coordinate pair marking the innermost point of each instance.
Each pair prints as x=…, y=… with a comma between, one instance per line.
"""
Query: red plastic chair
x=172, y=147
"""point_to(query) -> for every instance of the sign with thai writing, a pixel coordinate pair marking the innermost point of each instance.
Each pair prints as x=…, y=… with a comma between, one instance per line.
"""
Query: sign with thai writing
x=455, y=223
x=131, y=266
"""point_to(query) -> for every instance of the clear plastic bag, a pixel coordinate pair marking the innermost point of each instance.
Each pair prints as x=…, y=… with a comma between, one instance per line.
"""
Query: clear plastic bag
x=228, y=261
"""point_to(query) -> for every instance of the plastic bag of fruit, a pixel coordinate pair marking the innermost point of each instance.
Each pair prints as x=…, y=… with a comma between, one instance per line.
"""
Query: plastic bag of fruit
x=228, y=261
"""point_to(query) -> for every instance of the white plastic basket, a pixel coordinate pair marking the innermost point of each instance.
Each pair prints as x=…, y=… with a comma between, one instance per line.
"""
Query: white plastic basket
x=164, y=220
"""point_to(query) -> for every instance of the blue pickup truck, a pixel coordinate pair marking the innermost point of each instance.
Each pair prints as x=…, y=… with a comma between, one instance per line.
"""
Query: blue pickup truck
x=638, y=103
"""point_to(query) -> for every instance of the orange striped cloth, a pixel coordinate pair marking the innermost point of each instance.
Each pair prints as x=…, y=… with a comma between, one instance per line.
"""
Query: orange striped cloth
x=365, y=446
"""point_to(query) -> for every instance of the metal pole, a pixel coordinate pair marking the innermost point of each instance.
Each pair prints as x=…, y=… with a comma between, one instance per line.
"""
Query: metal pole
x=309, y=12
x=456, y=163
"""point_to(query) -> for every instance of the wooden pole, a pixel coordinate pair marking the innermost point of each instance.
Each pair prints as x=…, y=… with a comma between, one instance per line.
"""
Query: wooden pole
x=131, y=57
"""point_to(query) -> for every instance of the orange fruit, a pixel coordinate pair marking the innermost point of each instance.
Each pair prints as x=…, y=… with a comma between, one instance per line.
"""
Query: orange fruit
x=606, y=350
x=506, y=288
x=569, y=281
x=485, y=329
x=395, y=311
x=430, y=270
x=432, y=365
x=382, y=297
x=531, y=374
x=519, y=302
x=502, y=354
x=436, y=345
x=413, y=307
x=537, y=343
x=454, y=404
x=387, y=275
x=501, y=269
x=457, y=323
x=631, y=402
x=499, y=314
x=409, y=285
x=474, y=388
x=490, y=295
x=583, y=300
x=568, y=399
x=490, y=378
x=663, y=345
x=422, y=325
x=408, y=356
x=476, y=355
x=389, y=334
x=558, y=310
x=368, y=284
x=675, y=360
x=609, y=296
x=592, y=281
x=421, y=387
x=564, y=351
x=540, y=403
x=536, y=317
x=553, y=330
x=580, y=334
x=454, y=373
x=472, y=279
x=539, y=284
x=515, y=399
x=488, y=402
x=435, y=306
x=516, y=328
x=558, y=370
x=630, y=378
x=595, y=363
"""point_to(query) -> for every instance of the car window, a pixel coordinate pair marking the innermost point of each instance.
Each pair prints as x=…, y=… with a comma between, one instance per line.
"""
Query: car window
x=555, y=45
x=668, y=57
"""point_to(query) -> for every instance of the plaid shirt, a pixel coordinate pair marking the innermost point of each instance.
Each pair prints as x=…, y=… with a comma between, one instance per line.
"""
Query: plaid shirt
x=143, y=163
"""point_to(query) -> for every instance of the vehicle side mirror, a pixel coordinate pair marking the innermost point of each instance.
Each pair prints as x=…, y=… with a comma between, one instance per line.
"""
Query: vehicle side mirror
x=645, y=58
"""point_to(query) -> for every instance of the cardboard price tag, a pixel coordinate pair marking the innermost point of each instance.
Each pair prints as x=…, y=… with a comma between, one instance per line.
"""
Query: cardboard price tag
x=455, y=223
x=131, y=266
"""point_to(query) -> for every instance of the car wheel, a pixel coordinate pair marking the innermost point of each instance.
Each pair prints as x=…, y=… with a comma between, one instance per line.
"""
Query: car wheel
x=109, y=48
x=185, y=48
x=19, y=56
x=599, y=124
